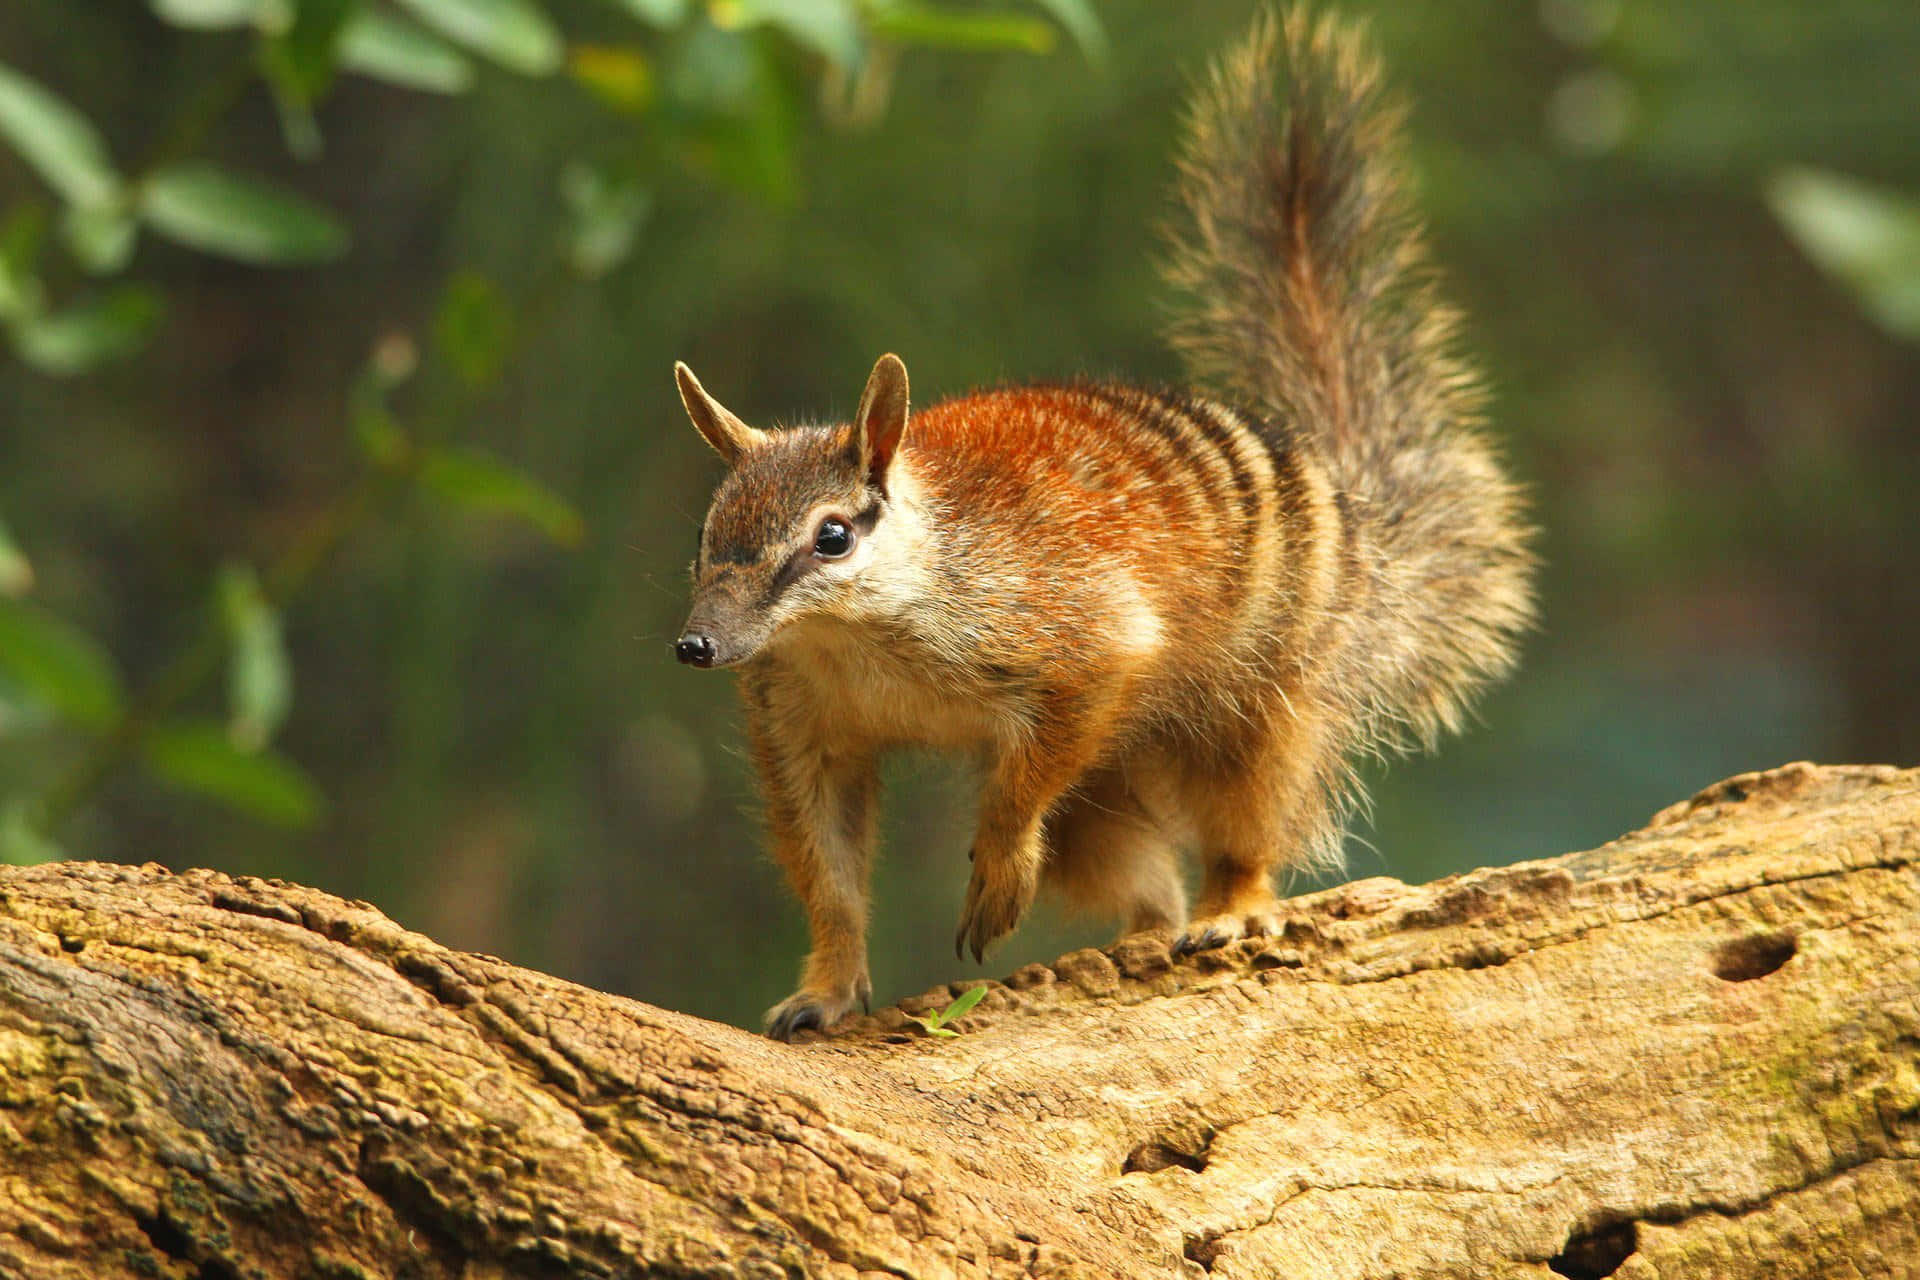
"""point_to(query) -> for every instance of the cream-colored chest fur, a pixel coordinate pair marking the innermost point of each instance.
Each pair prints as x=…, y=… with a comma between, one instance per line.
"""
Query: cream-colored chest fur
x=860, y=692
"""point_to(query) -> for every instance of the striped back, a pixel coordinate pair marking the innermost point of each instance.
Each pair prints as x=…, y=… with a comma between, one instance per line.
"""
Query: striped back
x=1225, y=528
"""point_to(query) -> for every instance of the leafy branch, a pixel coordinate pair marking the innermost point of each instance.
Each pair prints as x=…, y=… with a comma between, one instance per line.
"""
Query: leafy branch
x=56, y=677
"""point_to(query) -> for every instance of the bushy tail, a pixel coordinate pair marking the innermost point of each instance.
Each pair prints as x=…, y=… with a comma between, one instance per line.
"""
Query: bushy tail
x=1311, y=299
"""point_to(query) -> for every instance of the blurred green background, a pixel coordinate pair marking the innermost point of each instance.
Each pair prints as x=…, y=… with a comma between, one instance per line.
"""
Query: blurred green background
x=345, y=501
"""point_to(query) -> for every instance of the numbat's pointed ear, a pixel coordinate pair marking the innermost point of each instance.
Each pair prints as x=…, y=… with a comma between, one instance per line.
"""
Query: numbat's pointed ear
x=729, y=436
x=881, y=420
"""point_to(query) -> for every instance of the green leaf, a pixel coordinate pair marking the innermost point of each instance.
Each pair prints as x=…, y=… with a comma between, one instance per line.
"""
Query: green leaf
x=21, y=844
x=738, y=113
x=21, y=294
x=712, y=72
x=59, y=663
x=662, y=13
x=380, y=437
x=100, y=237
x=298, y=126
x=381, y=46
x=473, y=327
x=487, y=484
x=961, y=1006
x=1083, y=24
x=88, y=334
x=59, y=142
x=965, y=30
x=200, y=757
x=605, y=213
x=619, y=77
x=16, y=571
x=829, y=27
x=298, y=64
x=1866, y=237
x=259, y=673
x=213, y=13
x=241, y=218
x=936, y=1024
x=301, y=60
x=517, y=34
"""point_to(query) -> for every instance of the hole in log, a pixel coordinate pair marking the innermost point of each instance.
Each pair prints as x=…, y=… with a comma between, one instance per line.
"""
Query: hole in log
x=1590, y=1255
x=1745, y=959
x=1482, y=956
x=1185, y=1150
x=72, y=946
x=167, y=1238
x=1204, y=1249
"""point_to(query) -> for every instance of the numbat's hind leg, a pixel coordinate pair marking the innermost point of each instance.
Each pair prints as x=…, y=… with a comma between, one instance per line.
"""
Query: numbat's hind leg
x=1263, y=809
x=1106, y=856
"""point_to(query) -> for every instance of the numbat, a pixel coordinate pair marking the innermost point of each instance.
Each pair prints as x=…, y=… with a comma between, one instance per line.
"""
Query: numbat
x=1165, y=619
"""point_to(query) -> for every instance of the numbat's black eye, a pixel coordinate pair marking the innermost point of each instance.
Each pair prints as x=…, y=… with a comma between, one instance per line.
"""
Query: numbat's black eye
x=834, y=539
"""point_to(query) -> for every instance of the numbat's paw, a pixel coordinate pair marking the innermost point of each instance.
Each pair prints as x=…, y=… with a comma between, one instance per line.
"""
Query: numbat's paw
x=815, y=1011
x=994, y=906
x=1217, y=931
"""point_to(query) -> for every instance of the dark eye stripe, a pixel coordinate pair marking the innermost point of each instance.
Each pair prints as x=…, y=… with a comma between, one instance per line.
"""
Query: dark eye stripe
x=801, y=561
x=791, y=572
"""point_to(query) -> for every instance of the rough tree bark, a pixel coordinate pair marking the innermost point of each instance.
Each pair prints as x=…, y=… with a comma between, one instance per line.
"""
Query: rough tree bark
x=1695, y=1051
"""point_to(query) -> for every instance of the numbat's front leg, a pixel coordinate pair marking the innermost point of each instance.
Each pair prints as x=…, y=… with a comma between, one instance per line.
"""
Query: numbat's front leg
x=819, y=1003
x=821, y=825
x=1008, y=851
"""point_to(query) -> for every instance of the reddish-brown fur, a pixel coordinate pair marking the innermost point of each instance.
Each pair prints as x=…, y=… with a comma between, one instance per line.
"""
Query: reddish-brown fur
x=1058, y=469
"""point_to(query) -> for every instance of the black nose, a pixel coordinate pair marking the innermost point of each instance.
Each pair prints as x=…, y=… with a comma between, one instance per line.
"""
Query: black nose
x=696, y=650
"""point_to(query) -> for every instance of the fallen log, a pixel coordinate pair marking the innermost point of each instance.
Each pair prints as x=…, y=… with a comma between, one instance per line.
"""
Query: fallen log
x=1694, y=1051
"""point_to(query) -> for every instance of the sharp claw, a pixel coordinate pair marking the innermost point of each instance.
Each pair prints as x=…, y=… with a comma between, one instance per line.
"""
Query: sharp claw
x=1191, y=943
x=793, y=1019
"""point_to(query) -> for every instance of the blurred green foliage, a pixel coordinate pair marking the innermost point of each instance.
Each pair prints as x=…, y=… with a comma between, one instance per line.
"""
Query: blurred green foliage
x=296, y=48
x=347, y=500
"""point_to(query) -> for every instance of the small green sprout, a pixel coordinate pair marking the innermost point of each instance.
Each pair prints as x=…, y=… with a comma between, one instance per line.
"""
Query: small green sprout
x=936, y=1024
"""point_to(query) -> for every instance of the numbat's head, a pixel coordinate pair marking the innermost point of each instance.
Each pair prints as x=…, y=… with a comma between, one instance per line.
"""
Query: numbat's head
x=801, y=519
